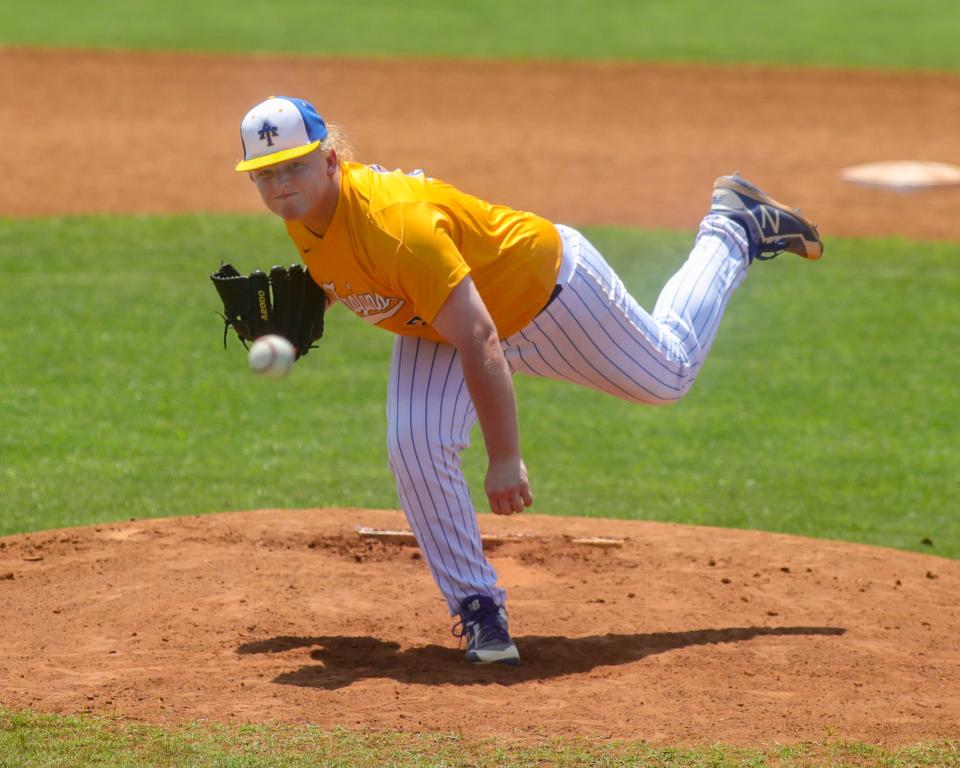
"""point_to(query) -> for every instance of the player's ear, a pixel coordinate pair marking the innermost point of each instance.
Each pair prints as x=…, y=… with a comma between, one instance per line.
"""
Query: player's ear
x=332, y=162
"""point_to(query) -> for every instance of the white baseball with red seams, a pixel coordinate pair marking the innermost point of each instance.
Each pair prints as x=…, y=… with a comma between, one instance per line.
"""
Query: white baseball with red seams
x=271, y=356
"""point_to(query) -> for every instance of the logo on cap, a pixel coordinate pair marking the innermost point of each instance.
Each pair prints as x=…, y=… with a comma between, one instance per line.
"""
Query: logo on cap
x=267, y=132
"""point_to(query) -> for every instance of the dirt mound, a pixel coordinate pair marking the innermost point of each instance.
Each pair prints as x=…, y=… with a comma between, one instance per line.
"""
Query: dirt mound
x=681, y=634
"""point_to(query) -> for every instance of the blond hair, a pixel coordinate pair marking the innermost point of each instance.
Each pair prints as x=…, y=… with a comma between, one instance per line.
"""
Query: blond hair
x=337, y=141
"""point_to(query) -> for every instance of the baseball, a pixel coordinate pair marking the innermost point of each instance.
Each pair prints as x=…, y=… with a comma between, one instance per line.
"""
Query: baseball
x=271, y=356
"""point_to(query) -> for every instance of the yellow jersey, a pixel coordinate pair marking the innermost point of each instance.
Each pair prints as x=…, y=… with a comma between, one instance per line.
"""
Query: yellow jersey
x=398, y=244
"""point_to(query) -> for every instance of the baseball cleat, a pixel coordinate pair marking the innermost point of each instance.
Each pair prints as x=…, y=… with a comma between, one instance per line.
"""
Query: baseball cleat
x=485, y=625
x=772, y=227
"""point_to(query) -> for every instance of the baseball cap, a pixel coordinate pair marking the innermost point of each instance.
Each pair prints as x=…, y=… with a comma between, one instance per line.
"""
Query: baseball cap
x=278, y=129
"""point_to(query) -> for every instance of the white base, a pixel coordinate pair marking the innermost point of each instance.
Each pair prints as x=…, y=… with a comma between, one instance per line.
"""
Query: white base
x=903, y=175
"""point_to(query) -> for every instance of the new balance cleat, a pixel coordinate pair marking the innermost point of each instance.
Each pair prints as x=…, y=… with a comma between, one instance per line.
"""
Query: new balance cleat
x=486, y=627
x=771, y=227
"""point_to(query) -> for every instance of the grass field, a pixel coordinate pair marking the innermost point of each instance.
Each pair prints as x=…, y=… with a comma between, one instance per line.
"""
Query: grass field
x=859, y=33
x=27, y=739
x=824, y=409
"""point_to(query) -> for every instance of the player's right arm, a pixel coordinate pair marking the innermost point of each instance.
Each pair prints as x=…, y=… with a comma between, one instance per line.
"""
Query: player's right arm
x=464, y=322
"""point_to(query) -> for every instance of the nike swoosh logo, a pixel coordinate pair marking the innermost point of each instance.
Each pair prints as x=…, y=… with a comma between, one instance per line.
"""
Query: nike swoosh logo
x=307, y=250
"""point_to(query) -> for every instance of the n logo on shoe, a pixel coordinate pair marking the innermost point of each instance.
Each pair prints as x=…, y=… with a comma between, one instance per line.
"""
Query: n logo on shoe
x=770, y=217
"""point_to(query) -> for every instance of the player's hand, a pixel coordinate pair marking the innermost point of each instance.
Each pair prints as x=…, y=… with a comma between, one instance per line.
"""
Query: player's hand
x=507, y=487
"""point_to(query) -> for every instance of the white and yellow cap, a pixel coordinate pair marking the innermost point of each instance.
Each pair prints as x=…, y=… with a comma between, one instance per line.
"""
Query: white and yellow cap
x=279, y=129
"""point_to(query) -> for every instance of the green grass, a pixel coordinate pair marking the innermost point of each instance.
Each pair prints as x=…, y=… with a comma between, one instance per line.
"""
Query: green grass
x=828, y=407
x=861, y=33
x=28, y=739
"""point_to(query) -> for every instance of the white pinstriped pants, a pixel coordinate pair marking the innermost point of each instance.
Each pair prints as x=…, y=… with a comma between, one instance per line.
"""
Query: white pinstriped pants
x=594, y=334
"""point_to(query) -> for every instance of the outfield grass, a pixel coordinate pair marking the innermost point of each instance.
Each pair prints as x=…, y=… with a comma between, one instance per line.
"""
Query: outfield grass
x=827, y=408
x=28, y=739
x=861, y=33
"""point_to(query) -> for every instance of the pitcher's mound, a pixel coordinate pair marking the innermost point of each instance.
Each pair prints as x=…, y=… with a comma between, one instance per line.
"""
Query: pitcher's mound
x=682, y=634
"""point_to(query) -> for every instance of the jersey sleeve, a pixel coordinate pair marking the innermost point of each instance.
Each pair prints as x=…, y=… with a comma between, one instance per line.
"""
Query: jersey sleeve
x=427, y=264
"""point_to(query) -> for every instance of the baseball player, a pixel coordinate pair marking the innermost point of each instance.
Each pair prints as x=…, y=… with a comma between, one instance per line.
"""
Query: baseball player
x=476, y=292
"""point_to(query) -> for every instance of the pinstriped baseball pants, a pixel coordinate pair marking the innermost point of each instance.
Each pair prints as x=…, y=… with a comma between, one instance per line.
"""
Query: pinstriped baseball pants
x=594, y=334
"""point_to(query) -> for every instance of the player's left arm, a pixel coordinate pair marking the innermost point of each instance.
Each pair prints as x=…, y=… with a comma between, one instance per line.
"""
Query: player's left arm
x=464, y=322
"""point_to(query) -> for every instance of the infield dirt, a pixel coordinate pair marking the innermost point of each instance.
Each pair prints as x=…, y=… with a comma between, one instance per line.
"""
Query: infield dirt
x=624, y=144
x=683, y=634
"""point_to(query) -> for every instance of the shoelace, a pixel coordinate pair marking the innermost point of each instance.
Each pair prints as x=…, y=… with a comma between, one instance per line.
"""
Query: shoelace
x=779, y=245
x=768, y=256
x=490, y=628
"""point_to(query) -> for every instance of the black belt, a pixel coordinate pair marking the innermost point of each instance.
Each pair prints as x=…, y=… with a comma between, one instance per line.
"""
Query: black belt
x=556, y=292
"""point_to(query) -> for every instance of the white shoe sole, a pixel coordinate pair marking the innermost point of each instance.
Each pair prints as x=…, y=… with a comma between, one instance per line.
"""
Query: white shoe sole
x=508, y=656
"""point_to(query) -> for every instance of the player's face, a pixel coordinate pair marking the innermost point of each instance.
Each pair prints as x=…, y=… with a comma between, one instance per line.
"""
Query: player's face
x=299, y=188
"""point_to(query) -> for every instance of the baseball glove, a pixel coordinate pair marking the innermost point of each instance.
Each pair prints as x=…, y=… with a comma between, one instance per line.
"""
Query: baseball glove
x=286, y=302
